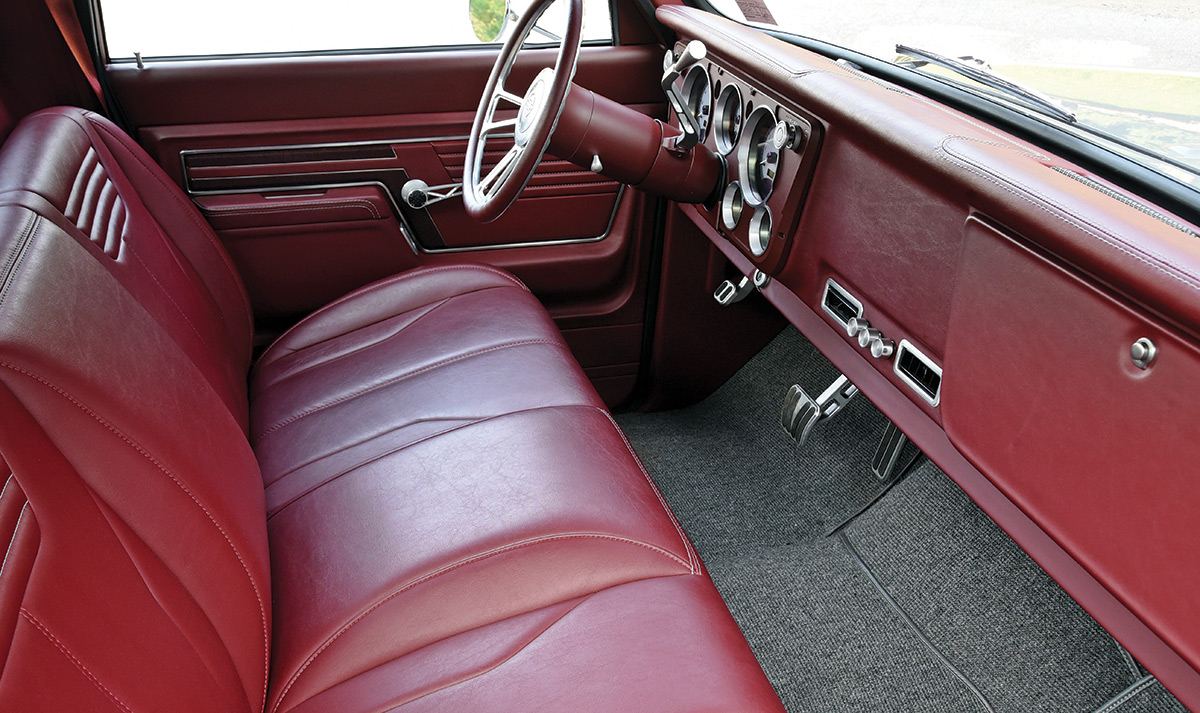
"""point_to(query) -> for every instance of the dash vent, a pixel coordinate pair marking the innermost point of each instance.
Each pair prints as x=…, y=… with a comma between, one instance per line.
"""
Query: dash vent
x=96, y=208
x=839, y=303
x=919, y=372
x=1157, y=215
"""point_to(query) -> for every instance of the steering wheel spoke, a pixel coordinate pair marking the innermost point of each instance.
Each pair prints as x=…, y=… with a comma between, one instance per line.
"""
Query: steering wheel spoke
x=502, y=93
x=493, y=126
x=487, y=195
x=501, y=170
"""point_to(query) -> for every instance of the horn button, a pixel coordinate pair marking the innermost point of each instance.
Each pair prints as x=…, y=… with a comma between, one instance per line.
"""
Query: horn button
x=533, y=105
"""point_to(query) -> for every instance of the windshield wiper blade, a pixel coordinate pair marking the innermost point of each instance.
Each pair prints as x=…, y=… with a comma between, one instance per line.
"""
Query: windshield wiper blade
x=987, y=78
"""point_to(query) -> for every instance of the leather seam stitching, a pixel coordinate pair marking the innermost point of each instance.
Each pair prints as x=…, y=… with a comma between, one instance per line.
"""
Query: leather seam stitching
x=687, y=545
x=432, y=307
x=429, y=308
x=1069, y=217
x=379, y=286
x=112, y=429
x=58, y=644
x=469, y=422
x=165, y=291
x=521, y=649
x=398, y=378
x=17, y=258
x=368, y=439
x=450, y=568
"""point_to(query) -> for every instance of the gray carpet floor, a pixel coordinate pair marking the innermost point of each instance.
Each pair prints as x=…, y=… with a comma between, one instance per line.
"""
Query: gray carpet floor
x=920, y=604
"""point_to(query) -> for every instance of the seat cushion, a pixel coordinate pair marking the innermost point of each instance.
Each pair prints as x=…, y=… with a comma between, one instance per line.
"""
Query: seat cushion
x=665, y=645
x=425, y=352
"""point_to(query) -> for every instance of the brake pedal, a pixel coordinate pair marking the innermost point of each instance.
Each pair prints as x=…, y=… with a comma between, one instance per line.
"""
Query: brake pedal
x=801, y=412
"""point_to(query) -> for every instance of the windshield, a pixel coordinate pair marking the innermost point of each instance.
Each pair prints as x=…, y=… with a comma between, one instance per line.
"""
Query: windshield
x=1129, y=68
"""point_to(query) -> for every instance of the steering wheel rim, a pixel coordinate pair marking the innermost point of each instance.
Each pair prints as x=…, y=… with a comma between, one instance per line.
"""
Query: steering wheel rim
x=486, y=198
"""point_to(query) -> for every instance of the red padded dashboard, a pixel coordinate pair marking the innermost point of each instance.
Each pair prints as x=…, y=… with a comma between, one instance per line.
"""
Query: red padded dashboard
x=1025, y=279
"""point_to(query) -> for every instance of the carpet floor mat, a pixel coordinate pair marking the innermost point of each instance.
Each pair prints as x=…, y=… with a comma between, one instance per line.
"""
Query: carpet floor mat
x=921, y=603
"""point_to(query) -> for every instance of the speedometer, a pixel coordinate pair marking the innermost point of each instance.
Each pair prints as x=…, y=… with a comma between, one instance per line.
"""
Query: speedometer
x=758, y=157
x=697, y=92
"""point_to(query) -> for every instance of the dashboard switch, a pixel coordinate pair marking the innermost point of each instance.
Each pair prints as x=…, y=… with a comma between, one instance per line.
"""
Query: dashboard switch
x=785, y=136
x=868, y=335
x=856, y=325
x=882, y=348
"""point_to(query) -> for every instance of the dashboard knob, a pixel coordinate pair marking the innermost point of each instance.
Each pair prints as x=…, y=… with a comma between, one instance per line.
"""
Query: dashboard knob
x=854, y=325
x=784, y=135
x=882, y=348
x=866, y=336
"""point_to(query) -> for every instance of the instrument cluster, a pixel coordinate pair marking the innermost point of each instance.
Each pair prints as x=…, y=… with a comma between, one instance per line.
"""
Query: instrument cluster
x=768, y=149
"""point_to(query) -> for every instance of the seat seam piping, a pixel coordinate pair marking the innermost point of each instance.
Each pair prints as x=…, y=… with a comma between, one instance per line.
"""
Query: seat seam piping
x=398, y=378
x=457, y=565
x=429, y=437
x=506, y=659
x=342, y=449
x=687, y=545
x=379, y=286
x=429, y=308
x=433, y=306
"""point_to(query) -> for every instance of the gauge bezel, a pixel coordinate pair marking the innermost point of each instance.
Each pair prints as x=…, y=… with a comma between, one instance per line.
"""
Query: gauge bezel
x=727, y=141
x=760, y=234
x=733, y=204
x=750, y=187
x=698, y=75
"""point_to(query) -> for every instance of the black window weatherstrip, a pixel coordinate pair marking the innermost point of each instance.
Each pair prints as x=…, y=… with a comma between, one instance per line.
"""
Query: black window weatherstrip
x=1172, y=195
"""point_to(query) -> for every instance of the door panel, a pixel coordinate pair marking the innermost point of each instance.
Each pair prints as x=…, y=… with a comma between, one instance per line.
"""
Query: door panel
x=298, y=163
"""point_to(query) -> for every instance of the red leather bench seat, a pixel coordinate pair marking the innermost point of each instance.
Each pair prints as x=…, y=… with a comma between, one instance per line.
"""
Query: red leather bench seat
x=418, y=501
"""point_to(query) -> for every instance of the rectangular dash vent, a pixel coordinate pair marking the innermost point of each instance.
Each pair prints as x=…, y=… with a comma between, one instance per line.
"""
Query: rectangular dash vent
x=839, y=303
x=919, y=372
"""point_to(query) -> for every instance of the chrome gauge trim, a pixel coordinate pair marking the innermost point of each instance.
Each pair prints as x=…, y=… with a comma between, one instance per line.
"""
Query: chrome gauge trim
x=758, y=171
x=697, y=90
x=761, y=226
x=732, y=204
x=727, y=118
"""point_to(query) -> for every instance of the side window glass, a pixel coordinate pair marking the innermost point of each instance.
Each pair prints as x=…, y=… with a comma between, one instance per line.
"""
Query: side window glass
x=159, y=28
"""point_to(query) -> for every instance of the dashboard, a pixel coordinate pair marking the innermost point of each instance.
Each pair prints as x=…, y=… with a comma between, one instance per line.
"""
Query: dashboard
x=1032, y=327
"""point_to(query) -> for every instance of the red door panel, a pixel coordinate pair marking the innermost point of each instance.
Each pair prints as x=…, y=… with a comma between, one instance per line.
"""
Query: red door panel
x=298, y=164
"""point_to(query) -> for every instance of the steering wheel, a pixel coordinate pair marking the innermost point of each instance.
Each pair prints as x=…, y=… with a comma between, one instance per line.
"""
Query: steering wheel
x=487, y=197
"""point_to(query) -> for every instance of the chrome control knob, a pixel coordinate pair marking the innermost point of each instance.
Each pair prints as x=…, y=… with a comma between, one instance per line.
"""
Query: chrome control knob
x=882, y=348
x=854, y=325
x=784, y=136
x=868, y=335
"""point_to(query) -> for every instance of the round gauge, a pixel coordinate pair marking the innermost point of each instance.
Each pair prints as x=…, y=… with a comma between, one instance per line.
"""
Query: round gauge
x=697, y=92
x=728, y=118
x=758, y=157
x=760, y=231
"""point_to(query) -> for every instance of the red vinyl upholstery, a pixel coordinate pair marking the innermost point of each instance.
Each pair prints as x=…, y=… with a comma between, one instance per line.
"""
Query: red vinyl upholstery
x=419, y=500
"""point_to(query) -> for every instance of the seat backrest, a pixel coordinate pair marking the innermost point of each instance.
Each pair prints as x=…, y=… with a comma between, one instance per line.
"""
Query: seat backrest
x=136, y=573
